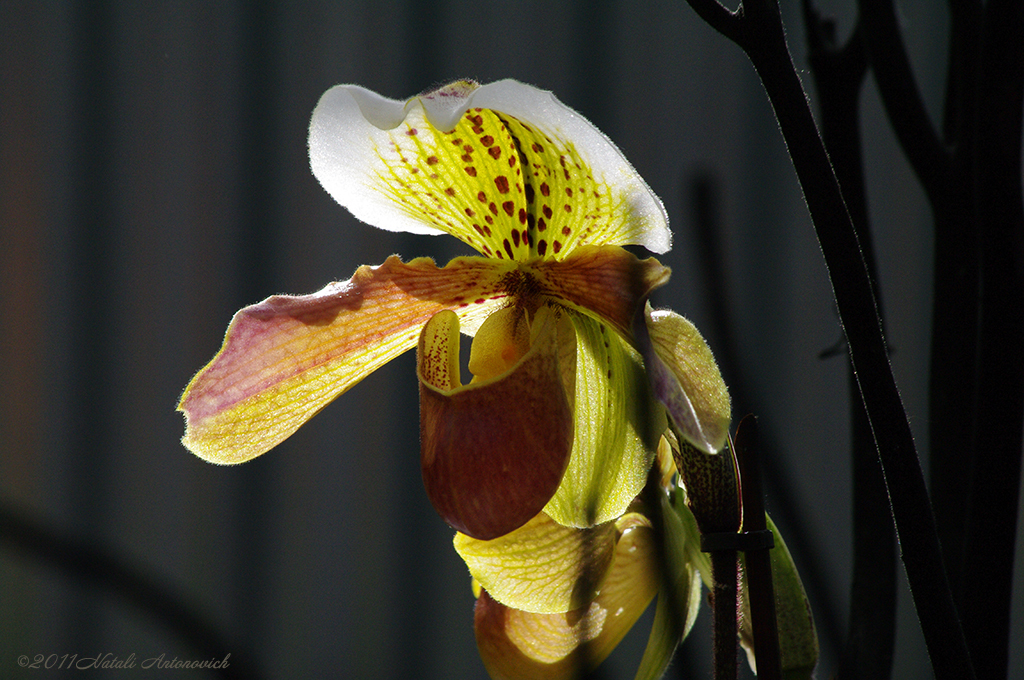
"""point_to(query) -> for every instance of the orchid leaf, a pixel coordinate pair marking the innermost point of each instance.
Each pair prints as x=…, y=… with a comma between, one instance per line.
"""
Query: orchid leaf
x=798, y=638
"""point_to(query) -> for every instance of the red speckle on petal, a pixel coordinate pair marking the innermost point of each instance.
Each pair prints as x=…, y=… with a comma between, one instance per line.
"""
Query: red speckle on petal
x=432, y=160
x=487, y=140
x=542, y=224
x=450, y=191
x=537, y=148
x=471, y=171
x=494, y=208
x=509, y=207
x=568, y=191
x=481, y=196
x=495, y=152
x=470, y=212
x=547, y=212
x=568, y=208
x=508, y=249
x=412, y=132
x=522, y=216
x=556, y=246
x=529, y=193
x=515, y=238
x=545, y=189
x=502, y=183
x=566, y=230
x=542, y=247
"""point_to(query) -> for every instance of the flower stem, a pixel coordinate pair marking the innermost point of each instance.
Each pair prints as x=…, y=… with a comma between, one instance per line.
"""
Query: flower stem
x=725, y=613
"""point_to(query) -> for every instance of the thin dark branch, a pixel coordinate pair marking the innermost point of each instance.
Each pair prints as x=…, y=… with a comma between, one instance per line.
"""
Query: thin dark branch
x=839, y=74
x=725, y=584
x=911, y=507
x=900, y=95
x=727, y=22
x=995, y=480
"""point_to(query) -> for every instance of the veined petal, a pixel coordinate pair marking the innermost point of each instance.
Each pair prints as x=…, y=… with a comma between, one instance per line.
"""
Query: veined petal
x=607, y=282
x=518, y=645
x=618, y=426
x=505, y=167
x=542, y=566
x=686, y=378
x=492, y=452
x=287, y=357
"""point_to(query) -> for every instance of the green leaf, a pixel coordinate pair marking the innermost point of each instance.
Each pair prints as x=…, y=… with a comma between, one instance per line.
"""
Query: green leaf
x=798, y=639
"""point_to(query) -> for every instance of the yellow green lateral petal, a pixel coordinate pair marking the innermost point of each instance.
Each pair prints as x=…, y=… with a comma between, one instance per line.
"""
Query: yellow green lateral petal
x=287, y=357
x=504, y=167
x=618, y=426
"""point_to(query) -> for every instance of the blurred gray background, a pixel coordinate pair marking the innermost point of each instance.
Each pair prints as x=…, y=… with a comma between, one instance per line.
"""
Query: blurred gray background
x=154, y=179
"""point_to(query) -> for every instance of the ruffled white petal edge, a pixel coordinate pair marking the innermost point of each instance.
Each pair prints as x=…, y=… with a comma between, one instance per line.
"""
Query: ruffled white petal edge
x=351, y=125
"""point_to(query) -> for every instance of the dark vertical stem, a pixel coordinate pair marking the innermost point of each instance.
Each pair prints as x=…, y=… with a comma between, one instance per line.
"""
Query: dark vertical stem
x=725, y=614
x=704, y=196
x=757, y=28
x=911, y=506
x=868, y=652
x=991, y=522
x=760, y=588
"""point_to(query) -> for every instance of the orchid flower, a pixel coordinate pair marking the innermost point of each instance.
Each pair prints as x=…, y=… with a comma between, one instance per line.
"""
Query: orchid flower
x=538, y=460
x=558, y=415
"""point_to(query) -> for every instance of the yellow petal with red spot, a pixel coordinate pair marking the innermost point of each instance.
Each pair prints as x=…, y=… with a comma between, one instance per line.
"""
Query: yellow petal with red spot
x=505, y=167
x=287, y=357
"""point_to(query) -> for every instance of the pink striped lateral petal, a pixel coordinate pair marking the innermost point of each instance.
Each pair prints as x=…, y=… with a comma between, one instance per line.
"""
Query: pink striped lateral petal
x=287, y=357
x=493, y=451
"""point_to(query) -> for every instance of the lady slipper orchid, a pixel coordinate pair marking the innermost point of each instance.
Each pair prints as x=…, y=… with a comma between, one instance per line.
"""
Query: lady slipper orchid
x=558, y=415
x=540, y=458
